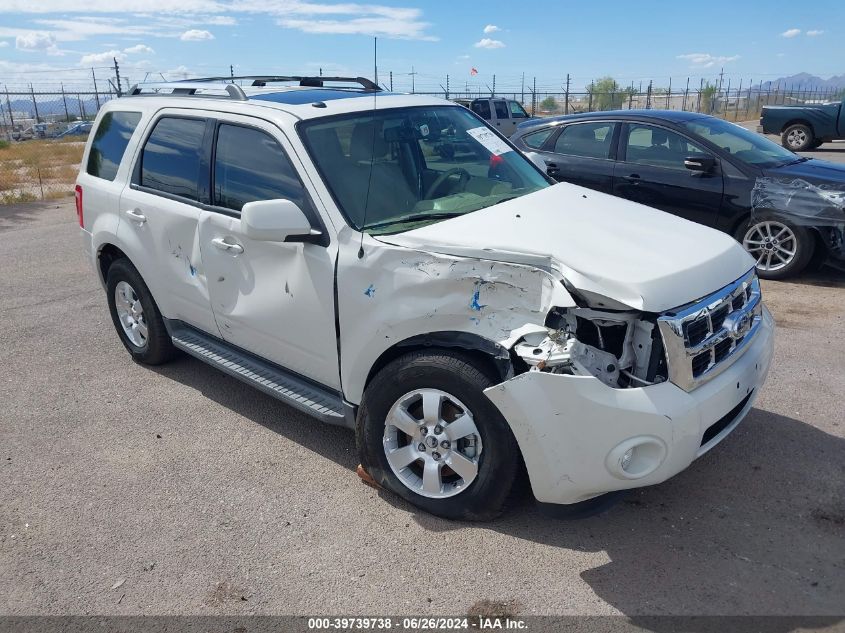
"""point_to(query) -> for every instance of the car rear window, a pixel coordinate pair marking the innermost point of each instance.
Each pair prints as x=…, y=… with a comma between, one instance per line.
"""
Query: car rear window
x=170, y=161
x=110, y=141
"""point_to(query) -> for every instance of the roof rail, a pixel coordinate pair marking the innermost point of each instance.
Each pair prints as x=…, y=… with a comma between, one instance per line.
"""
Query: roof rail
x=312, y=82
x=187, y=89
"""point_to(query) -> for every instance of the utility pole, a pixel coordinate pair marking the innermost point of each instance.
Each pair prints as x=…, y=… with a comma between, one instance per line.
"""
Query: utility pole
x=412, y=73
x=117, y=76
x=96, y=94
x=523, y=87
x=534, y=98
x=447, y=86
x=232, y=72
x=34, y=103
x=64, y=100
x=9, y=106
x=391, y=81
x=566, y=98
x=493, y=93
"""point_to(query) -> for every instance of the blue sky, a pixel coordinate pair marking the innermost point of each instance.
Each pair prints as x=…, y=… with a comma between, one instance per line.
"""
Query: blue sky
x=45, y=41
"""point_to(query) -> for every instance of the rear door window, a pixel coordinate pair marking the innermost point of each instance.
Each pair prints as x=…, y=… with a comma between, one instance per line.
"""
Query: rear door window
x=110, y=141
x=171, y=158
x=482, y=109
x=250, y=165
x=591, y=140
x=501, y=110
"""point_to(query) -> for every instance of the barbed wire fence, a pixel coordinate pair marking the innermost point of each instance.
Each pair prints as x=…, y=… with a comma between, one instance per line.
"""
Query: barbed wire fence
x=44, y=121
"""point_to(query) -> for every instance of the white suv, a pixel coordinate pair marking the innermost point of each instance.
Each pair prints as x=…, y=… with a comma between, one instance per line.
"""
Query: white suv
x=465, y=315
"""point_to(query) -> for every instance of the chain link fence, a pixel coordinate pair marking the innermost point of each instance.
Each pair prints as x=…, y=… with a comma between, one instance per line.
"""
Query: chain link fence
x=42, y=137
x=43, y=133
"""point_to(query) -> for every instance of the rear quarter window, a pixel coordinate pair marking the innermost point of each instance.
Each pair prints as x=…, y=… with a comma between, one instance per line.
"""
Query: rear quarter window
x=110, y=141
x=535, y=140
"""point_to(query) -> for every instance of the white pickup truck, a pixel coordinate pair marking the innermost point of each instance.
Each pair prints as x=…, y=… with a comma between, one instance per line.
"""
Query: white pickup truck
x=465, y=315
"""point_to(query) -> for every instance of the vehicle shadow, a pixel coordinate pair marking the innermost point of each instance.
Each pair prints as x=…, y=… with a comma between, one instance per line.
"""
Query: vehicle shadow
x=754, y=527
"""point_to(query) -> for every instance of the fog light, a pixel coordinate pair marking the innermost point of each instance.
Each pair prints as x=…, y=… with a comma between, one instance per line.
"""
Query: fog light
x=626, y=459
x=636, y=457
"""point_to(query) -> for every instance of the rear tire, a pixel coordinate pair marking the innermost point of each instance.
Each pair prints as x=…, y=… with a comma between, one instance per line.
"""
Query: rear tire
x=425, y=395
x=797, y=138
x=136, y=316
x=770, y=239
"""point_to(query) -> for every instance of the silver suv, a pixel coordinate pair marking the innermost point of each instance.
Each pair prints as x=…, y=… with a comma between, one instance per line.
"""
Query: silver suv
x=390, y=263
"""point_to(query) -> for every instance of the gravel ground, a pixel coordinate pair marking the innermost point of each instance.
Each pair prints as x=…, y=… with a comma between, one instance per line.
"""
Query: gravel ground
x=178, y=490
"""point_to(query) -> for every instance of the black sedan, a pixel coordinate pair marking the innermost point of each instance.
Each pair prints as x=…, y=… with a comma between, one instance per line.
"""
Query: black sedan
x=786, y=210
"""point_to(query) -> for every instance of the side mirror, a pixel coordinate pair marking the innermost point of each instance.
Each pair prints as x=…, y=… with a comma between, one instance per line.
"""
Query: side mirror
x=703, y=164
x=274, y=221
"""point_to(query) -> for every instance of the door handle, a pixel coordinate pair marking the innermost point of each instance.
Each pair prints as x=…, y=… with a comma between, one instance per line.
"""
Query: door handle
x=136, y=216
x=229, y=247
x=634, y=179
x=552, y=169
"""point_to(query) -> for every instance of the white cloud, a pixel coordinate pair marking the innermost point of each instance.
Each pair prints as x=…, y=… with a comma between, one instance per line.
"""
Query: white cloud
x=781, y=54
x=139, y=48
x=3, y=44
x=463, y=56
x=220, y=20
x=791, y=33
x=815, y=32
x=196, y=35
x=488, y=43
x=706, y=60
x=35, y=41
x=165, y=16
x=106, y=57
x=491, y=28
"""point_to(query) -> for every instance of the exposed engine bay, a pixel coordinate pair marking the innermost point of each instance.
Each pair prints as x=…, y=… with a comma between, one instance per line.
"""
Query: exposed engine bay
x=622, y=349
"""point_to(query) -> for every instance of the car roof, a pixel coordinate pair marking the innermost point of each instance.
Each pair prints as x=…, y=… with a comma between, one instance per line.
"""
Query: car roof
x=671, y=116
x=299, y=102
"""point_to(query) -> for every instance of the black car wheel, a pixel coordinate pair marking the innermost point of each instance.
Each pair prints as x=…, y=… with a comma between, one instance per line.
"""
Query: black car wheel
x=779, y=247
x=797, y=138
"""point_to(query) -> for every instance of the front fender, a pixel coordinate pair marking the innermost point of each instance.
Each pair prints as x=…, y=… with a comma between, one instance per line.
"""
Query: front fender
x=394, y=293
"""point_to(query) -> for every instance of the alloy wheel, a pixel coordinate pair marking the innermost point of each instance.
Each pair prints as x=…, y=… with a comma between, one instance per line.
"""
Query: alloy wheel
x=796, y=138
x=432, y=443
x=772, y=244
x=130, y=313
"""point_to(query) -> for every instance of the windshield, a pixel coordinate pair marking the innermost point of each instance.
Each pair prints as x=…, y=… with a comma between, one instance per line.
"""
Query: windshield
x=399, y=169
x=740, y=143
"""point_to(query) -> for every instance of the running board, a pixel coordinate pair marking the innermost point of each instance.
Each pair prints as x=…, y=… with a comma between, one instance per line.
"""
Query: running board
x=319, y=402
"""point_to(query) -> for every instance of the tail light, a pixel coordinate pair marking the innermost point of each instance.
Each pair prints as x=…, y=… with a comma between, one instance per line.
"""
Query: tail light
x=79, y=205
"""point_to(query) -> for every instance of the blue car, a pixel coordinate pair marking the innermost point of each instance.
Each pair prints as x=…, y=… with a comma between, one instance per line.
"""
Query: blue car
x=77, y=129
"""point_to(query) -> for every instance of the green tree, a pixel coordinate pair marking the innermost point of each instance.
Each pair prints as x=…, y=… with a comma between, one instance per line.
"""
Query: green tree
x=607, y=94
x=549, y=104
x=708, y=91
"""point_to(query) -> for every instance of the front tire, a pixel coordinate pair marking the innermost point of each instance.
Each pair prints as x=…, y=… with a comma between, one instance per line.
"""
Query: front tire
x=136, y=316
x=427, y=432
x=779, y=247
x=797, y=138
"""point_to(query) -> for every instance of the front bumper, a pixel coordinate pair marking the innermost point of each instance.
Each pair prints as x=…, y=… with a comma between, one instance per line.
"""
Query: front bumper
x=574, y=430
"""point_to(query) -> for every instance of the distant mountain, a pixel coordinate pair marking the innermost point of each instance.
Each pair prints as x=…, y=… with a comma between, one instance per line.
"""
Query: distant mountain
x=804, y=81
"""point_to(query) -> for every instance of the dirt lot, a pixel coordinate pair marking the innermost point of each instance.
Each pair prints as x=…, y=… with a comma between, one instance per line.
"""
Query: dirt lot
x=41, y=169
x=129, y=490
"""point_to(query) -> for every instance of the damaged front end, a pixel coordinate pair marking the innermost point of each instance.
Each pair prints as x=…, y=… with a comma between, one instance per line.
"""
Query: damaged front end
x=621, y=348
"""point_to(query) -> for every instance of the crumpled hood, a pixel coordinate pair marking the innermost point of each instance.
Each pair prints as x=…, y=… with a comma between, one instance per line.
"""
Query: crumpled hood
x=644, y=258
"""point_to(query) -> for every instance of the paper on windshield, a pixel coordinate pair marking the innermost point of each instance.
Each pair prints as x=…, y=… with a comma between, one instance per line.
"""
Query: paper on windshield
x=489, y=140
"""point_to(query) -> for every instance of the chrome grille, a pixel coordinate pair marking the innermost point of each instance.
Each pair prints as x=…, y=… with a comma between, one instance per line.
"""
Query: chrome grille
x=704, y=338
